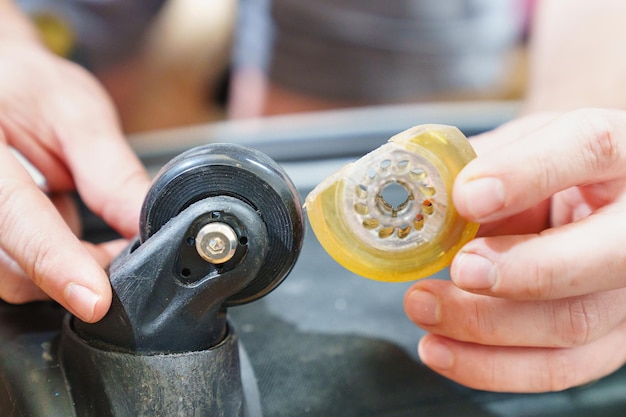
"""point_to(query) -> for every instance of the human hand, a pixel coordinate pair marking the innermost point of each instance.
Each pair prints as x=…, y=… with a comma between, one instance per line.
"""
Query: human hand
x=538, y=302
x=60, y=119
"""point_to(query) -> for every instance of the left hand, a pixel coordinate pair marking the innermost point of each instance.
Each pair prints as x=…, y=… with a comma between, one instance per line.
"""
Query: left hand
x=59, y=118
x=538, y=301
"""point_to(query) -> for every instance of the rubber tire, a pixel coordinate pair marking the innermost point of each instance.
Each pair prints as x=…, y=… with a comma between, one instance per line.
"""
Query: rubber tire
x=239, y=172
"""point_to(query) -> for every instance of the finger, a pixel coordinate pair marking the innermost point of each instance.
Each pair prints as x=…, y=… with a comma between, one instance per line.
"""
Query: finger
x=580, y=147
x=15, y=286
x=75, y=139
x=509, y=132
x=66, y=206
x=108, y=175
x=36, y=237
x=566, y=261
x=29, y=120
x=104, y=253
x=35, y=154
x=114, y=185
x=533, y=220
x=520, y=369
x=441, y=308
x=536, y=218
x=529, y=221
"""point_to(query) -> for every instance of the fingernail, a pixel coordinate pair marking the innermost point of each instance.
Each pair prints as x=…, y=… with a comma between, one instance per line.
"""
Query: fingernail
x=81, y=300
x=436, y=355
x=483, y=197
x=423, y=308
x=473, y=272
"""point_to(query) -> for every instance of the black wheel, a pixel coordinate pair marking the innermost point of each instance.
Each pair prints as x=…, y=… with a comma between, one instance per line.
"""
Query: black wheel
x=242, y=173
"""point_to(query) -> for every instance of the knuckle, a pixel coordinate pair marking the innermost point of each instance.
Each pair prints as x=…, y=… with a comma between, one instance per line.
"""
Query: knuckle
x=8, y=189
x=38, y=267
x=480, y=323
x=578, y=321
x=555, y=370
x=599, y=141
x=492, y=375
x=539, y=282
x=557, y=373
x=547, y=173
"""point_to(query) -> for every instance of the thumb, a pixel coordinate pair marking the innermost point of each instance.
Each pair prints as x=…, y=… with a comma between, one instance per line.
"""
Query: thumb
x=580, y=147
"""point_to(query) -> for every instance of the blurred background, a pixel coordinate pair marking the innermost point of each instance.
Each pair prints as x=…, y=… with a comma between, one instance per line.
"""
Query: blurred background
x=180, y=62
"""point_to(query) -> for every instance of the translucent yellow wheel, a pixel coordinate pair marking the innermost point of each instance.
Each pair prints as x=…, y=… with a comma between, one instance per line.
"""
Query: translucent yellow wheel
x=389, y=216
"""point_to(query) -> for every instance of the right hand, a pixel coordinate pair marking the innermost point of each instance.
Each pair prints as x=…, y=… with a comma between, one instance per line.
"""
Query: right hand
x=537, y=302
x=57, y=115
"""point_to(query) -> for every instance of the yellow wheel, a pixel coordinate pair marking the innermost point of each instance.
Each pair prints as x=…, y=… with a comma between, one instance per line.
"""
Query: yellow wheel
x=389, y=216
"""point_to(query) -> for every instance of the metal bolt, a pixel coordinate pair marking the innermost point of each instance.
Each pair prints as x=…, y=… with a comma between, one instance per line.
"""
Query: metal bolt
x=216, y=242
x=216, y=245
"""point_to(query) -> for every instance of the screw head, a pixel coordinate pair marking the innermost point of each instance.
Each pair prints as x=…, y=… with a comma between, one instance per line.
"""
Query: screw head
x=216, y=245
x=216, y=242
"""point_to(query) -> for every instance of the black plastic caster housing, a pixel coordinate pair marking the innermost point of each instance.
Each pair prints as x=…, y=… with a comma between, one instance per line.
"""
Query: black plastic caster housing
x=220, y=226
